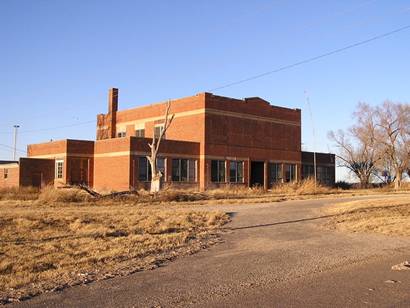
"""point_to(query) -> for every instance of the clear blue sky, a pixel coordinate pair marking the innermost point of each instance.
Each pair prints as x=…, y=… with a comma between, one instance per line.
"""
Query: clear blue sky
x=58, y=59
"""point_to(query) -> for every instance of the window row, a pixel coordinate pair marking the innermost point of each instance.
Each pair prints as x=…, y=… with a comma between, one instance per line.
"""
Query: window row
x=276, y=174
x=183, y=170
x=140, y=133
x=235, y=171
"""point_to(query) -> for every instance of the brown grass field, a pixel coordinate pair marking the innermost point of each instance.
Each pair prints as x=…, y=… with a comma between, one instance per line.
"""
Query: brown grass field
x=47, y=244
x=387, y=216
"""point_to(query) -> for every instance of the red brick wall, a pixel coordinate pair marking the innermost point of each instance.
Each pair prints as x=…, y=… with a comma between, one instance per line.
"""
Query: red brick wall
x=52, y=147
x=35, y=172
x=12, y=179
x=112, y=164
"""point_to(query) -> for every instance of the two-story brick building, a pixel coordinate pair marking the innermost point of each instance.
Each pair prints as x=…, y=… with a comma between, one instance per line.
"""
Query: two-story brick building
x=213, y=141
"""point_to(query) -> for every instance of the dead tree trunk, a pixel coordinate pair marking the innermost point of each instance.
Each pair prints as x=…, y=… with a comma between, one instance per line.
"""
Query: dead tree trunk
x=156, y=175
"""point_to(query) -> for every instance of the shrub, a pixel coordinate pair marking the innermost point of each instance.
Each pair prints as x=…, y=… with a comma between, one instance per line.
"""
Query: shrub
x=50, y=194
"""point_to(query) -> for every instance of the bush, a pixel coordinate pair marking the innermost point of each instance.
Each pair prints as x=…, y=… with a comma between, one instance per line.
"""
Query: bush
x=343, y=185
x=50, y=194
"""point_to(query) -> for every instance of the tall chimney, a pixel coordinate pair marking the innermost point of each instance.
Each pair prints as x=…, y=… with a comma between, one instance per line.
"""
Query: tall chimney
x=112, y=100
x=112, y=112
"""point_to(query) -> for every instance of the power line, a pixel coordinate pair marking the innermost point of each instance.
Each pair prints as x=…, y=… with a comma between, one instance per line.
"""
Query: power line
x=308, y=60
x=279, y=69
x=11, y=149
x=51, y=128
x=56, y=127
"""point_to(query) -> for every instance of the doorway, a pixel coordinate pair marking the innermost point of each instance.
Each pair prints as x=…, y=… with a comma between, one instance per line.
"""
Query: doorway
x=257, y=176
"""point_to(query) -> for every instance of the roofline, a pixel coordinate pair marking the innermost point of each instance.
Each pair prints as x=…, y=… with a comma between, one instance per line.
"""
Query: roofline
x=205, y=94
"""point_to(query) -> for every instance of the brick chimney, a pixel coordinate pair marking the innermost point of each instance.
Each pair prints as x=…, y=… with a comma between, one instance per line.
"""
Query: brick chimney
x=112, y=100
x=112, y=112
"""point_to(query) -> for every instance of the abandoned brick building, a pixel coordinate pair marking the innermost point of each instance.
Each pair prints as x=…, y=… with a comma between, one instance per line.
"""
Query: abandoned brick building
x=213, y=141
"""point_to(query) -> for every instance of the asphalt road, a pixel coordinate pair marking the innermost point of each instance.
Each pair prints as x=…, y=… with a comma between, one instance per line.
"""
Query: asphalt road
x=273, y=255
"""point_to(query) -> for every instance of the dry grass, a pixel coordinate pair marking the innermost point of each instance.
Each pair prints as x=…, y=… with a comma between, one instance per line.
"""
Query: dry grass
x=388, y=216
x=22, y=193
x=46, y=245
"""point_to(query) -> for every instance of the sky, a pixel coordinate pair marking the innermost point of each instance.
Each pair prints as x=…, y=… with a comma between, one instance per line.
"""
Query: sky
x=59, y=58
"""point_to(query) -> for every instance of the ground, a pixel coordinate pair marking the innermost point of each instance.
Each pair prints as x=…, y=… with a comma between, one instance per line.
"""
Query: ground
x=273, y=254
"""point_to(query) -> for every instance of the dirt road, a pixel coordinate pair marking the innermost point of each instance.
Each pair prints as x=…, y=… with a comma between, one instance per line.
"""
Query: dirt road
x=273, y=255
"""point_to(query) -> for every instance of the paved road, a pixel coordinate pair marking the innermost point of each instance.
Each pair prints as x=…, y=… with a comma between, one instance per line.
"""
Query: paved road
x=274, y=255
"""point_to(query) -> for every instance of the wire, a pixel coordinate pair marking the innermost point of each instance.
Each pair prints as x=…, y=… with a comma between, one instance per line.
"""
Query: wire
x=308, y=60
x=56, y=127
x=11, y=148
x=279, y=69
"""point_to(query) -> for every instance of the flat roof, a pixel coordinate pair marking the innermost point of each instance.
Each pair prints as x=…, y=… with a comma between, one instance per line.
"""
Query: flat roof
x=4, y=162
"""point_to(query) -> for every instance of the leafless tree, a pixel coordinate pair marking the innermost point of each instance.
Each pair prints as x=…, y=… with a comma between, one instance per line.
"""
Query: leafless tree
x=357, y=149
x=154, y=145
x=393, y=136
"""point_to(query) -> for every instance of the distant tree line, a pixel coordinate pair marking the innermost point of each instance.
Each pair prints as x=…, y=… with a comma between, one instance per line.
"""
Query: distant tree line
x=377, y=146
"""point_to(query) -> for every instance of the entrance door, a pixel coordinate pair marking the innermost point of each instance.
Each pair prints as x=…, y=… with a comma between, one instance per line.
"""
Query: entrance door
x=257, y=173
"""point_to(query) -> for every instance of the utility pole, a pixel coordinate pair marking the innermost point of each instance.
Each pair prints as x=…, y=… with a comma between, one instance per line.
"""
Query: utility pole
x=314, y=137
x=15, y=141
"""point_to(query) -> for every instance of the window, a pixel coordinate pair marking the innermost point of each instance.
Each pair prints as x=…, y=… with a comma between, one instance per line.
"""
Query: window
x=158, y=130
x=236, y=171
x=275, y=172
x=144, y=168
x=121, y=134
x=324, y=174
x=290, y=172
x=307, y=171
x=218, y=171
x=59, y=169
x=6, y=173
x=140, y=133
x=183, y=170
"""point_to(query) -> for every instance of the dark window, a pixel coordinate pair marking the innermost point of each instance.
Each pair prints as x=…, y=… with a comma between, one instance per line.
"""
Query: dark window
x=161, y=165
x=324, y=174
x=274, y=172
x=140, y=133
x=236, y=171
x=144, y=168
x=6, y=173
x=307, y=171
x=290, y=172
x=183, y=170
x=192, y=171
x=121, y=134
x=157, y=131
x=218, y=171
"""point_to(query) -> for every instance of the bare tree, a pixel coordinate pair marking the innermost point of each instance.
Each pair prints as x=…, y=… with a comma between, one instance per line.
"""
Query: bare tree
x=358, y=151
x=154, y=145
x=393, y=136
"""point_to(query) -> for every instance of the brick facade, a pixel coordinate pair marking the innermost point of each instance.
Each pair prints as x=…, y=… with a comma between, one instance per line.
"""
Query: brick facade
x=213, y=141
